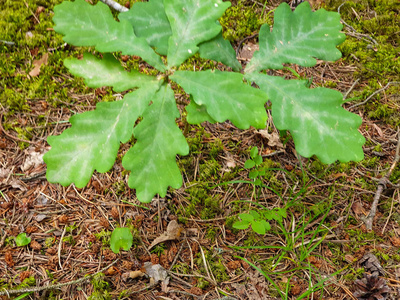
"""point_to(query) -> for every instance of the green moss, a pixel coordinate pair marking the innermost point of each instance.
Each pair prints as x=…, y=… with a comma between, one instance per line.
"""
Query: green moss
x=239, y=22
x=209, y=170
x=104, y=236
x=202, y=283
x=119, y=187
x=100, y=287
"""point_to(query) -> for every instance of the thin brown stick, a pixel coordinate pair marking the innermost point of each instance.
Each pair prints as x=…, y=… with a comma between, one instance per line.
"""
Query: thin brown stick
x=381, y=186
x=374, y=93
x=54, y=286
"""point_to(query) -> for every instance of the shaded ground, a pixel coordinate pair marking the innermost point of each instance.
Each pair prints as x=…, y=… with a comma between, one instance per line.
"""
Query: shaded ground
x=317, y=247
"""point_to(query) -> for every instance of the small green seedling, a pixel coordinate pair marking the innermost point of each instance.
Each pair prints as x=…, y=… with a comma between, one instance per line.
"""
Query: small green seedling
x=165, y=34
x=22, y=240
x=258, y=220
x=121, y=238
x=254, y=162
x=254, y=219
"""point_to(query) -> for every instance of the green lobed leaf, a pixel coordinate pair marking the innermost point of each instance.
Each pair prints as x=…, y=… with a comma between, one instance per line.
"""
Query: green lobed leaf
x=225, y=96
x=317, y=121
x=197, y=114
x=192, y=22
x=106, y=72
x=297, y=37
x=221, y=50
x=150, y=22
x=83, y=24
x=94, y=138
x=152, y=159
x=22, y=240
x=121, y=238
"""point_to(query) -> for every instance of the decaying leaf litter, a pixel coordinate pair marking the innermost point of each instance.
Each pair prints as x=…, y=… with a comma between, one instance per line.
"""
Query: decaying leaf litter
x=69, y=227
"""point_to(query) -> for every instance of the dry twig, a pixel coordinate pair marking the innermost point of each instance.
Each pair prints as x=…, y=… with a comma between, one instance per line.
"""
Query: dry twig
x=381, y=186
x=374, y=93
x=115, y=5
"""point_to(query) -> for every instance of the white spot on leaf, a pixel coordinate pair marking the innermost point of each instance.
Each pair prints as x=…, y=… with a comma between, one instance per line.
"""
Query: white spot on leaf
x=190, y=51
x=215, y=4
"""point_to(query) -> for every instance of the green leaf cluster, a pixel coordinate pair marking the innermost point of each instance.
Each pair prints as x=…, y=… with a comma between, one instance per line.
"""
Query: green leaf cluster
x=257, y=220
x=165, y=34
x=254, y=162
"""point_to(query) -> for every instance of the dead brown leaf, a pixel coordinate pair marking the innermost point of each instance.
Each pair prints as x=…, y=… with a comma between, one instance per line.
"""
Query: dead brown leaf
x=173, y=232
x=38, y=64
x=132, y=275
x=248, y=50
x=273, y=139
x=358, y=208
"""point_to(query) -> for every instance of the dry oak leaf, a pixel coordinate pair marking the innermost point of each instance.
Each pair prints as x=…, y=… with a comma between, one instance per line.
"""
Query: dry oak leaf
x=38, y=64
x=173, y=232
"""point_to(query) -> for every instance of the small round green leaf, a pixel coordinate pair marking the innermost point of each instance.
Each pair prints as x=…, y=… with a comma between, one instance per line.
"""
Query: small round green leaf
x=255, y=214
x=241, y=225
x=22, y=240
x=249, y=164
x=121, y=238
x=253, y=152
x=258, y=182
x=253, y=174
x=246, y=217
x=258, y=160
x=267, y=226
x=258, y=227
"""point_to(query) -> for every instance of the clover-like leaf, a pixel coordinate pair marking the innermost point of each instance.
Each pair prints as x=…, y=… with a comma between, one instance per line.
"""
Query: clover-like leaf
x=83, y=24
x=298, y=37
x=93, y=140
x=121, y=238
x=192, y=22
x=150, y=22
x=106, y=72
x=229, y=99
x=152, y=160
x=22, y=240
x=221, y=50
x=315, y=118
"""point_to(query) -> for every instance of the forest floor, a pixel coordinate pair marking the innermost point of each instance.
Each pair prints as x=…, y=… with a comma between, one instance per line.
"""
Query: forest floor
x=319, y=249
